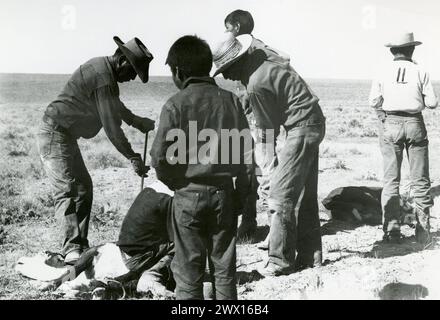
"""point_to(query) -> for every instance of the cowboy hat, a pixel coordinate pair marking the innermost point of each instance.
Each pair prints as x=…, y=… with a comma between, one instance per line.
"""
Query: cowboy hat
x=403, y=40
x=227, y=51
x=137, y=55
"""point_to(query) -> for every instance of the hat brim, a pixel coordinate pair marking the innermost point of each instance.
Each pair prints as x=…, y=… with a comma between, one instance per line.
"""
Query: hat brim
x=408, y=44
x=245, y=41
x=141, y=71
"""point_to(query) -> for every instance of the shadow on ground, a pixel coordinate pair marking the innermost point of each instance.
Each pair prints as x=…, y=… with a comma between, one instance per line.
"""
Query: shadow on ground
x=248, y=277
x=333, y=226
x=384, y=249
x=403, y=291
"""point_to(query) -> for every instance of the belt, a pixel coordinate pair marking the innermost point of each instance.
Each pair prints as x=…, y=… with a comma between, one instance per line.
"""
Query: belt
x=403, y=114
x=220, y=183
x=305, y=123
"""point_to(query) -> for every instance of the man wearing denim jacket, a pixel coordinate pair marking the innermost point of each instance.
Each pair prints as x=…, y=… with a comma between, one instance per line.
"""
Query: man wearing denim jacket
x=279, y=97
x=399, y=95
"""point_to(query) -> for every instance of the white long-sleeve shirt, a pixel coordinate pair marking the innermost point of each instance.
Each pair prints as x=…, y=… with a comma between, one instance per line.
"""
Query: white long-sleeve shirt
x=403, y=86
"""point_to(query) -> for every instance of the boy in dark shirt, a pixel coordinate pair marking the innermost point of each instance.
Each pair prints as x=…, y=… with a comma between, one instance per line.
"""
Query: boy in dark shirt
x=203, y=219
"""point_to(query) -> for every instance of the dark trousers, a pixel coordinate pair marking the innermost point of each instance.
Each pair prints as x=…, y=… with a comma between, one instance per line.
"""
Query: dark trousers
x=399, y=134
x=249, y=203
x=71, y=183
x=204, y=228
x=155, y=261
x=294, y=181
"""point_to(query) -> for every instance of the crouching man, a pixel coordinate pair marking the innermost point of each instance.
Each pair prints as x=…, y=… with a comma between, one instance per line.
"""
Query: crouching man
x=140, y=260
x=88, y=102
x=145, y=239
x=138, y=263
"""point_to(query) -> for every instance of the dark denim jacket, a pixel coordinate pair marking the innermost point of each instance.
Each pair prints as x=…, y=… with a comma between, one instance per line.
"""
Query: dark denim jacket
x=202, y=102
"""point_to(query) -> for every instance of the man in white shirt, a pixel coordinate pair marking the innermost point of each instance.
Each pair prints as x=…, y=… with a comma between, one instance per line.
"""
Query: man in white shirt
x=399, y=95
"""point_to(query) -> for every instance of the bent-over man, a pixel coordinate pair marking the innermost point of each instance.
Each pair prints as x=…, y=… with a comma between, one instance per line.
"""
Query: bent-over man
x=88, y=102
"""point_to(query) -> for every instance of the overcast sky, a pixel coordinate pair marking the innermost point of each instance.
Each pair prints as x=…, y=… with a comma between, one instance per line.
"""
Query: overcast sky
x=326, y=39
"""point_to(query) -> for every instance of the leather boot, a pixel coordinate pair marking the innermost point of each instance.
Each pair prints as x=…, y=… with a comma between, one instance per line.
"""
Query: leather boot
x=309, y=260
x=392, y=232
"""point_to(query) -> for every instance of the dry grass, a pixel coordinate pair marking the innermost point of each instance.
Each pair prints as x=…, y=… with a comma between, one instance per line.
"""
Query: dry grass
x=355, y=267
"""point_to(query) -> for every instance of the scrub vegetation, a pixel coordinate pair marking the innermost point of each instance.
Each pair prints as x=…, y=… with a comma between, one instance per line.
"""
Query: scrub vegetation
x=357, y=264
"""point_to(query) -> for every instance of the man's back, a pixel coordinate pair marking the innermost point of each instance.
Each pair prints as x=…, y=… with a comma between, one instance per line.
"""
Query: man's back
x=404, y=86
x=279, y=96
x=273, y=54
x=201, y=111
x=76, y=104
x=147, y=223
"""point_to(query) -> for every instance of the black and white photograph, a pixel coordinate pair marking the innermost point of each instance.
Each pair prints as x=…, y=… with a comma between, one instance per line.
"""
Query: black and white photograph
x=220, y=150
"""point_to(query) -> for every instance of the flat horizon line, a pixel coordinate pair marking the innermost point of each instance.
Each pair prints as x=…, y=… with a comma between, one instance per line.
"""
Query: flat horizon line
x=165, y=76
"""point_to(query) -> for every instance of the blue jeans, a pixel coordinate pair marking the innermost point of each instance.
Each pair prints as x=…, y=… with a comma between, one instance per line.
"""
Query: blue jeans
x=205, y=228
x=267, y=160
x=399, y=134
x=295, y=181
x=71, y=183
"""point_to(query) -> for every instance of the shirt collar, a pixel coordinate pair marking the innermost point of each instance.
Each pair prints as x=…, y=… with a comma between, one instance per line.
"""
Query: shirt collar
x=193, y=80
x=403, y=59
x=111, y=63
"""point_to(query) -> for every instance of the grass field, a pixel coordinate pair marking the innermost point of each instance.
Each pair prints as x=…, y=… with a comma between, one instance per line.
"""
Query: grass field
x=357, y=265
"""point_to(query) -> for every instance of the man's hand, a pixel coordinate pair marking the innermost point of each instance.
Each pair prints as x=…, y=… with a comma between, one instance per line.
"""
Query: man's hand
x=244, y=99
x=138, y=166
x=143, y=124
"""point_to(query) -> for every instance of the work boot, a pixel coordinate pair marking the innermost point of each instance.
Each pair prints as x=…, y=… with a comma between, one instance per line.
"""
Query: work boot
x=246, y=229
x=270, y=269
x=392, y=232
x=393, y=236
x=423, y=226
x=304, y=261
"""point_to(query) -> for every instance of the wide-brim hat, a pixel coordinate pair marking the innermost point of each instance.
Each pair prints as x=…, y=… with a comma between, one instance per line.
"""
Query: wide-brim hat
x=137, y=55
x=229, y=50
x=403, y=40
